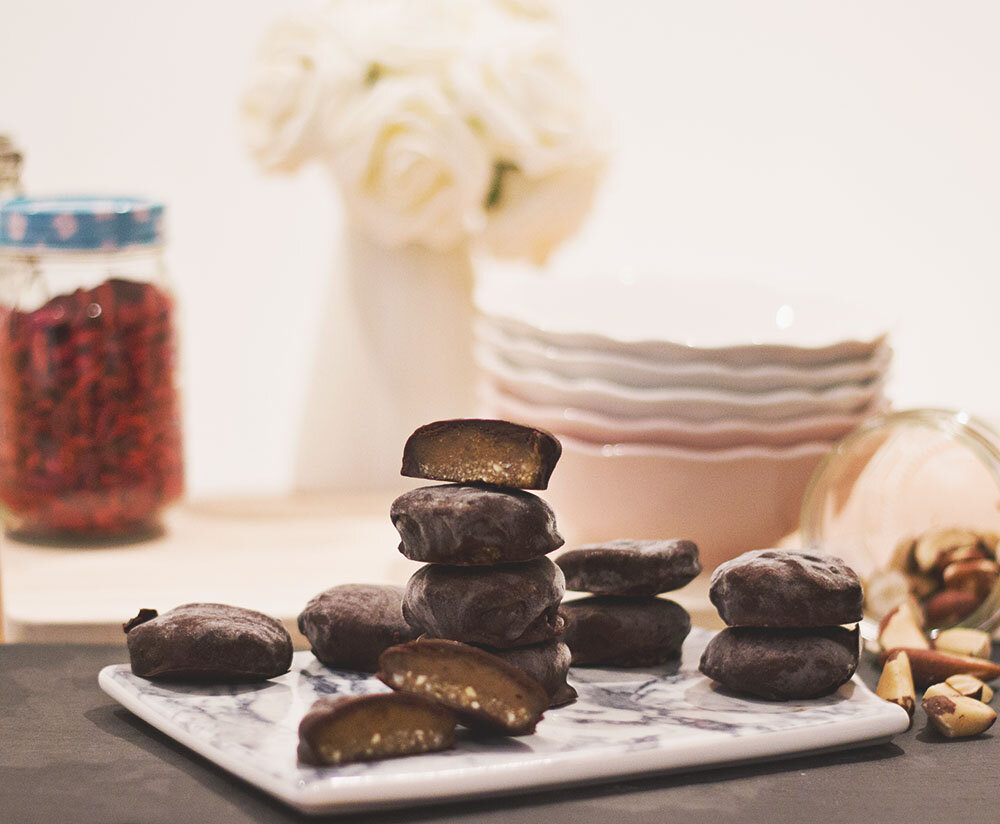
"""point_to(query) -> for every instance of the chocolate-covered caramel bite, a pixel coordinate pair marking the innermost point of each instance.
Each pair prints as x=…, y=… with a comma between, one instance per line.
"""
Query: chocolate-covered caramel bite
x=629, y=567
x=208, y=642
x=505, y=606
x=474, y=450
x=473, y=525
x=347, y=728
x=348, y=626
x=786, y=588
x=485, y=692
x=782, y=664
x=624, y=632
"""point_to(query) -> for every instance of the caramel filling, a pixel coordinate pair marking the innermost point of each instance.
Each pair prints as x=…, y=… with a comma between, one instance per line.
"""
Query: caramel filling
x=478, y=455
x=469, y=689
x=367, y=733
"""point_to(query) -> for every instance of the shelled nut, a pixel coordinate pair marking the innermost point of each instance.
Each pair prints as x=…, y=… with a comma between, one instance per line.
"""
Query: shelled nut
x=964, y=641
x=942, y=688
x=957, y=555
x=896, y=684
x=929, y=666
x=932, y=544
x=958, y=716
x=949, y=606
x=970, y=687
x=901, y=628
x=977, y=577
x=884, y=590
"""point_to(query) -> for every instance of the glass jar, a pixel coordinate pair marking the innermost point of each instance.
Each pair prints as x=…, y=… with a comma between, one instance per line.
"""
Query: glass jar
x=90, y=436
x=904, y=496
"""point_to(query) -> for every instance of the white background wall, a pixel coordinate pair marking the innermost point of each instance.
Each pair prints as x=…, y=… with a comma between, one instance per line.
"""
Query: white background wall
x=854, y=145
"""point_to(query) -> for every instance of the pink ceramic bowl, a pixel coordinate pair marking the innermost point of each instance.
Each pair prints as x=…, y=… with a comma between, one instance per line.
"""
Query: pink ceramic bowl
x=728, y=501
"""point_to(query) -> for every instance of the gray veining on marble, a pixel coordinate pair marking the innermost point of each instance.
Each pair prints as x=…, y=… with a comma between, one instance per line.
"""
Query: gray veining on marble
x=252, y=729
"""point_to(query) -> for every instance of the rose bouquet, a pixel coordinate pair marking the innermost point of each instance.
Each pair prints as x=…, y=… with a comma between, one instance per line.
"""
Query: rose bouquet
x=442, y=121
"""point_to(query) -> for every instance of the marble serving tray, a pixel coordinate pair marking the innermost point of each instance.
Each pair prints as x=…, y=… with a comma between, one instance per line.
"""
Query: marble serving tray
x=625, y=723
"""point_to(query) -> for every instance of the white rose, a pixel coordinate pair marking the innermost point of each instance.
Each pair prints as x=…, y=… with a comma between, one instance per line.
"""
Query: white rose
x=394, y=36
x=533, y=216
x=542, y=130
x=531, y=103
x=410, y=167
x=301, y=75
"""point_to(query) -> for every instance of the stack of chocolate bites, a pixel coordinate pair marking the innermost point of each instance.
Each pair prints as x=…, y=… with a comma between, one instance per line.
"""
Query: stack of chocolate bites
x=784, y=611
x=483, y=539
x=473, y=639
x=623, y=623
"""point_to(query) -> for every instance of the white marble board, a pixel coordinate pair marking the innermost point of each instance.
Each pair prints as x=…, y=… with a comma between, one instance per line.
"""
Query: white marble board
x=625, y=723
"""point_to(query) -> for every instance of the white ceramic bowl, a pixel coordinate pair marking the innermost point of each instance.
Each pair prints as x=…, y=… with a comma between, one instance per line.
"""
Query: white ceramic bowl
x=638, y=373
x=727, y=501
x=704, y=405
x=595, y=428
x=673, y=321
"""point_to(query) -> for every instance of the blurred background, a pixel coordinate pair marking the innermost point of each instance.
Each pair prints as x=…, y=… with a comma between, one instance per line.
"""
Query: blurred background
x=851, y=146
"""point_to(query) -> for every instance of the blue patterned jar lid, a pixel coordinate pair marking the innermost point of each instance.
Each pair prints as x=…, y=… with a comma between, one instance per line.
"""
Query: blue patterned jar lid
x=80, y=223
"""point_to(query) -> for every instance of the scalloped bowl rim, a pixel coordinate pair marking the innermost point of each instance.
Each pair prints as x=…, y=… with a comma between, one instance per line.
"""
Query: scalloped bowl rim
x=775, y=454
x=620, y=312
x=574, y=386
x=839, y=371
x=723, y=426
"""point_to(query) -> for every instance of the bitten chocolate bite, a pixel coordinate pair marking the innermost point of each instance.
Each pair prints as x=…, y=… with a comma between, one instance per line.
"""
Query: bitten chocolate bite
x=350, y=625
x=629, y=567
x=473, y=450
x=782, y=664
x=473, y=525
x=784, y=588
x=506, y=606
x=548, y=664
x=485, y=692
x=624, y=632
x=348, y=728
x=208, y=642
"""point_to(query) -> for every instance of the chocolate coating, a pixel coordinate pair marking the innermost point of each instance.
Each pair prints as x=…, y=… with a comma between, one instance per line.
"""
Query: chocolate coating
x=624, y=632
x=782, y=588
x=350, y=625
x=547, y=663
x=473, y=525
x=782, y=664
x=209, y=642
x=505, y=606
x=630, y=568
x=474, y=450
x=566, y=694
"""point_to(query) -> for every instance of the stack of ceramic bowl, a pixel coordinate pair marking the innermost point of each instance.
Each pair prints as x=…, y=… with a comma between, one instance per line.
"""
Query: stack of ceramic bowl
x=696, y=410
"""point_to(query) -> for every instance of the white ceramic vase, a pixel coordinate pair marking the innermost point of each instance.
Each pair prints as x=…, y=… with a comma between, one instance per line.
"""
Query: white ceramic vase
x=395, y=352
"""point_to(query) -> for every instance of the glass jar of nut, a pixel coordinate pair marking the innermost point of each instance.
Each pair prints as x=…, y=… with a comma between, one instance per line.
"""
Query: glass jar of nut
x=912, y=501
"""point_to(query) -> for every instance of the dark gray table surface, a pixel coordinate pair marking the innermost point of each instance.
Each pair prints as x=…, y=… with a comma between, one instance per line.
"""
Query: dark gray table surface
x=68, y=753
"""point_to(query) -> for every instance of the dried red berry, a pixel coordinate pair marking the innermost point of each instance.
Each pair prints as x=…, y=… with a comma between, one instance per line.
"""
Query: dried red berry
x=90, y=442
